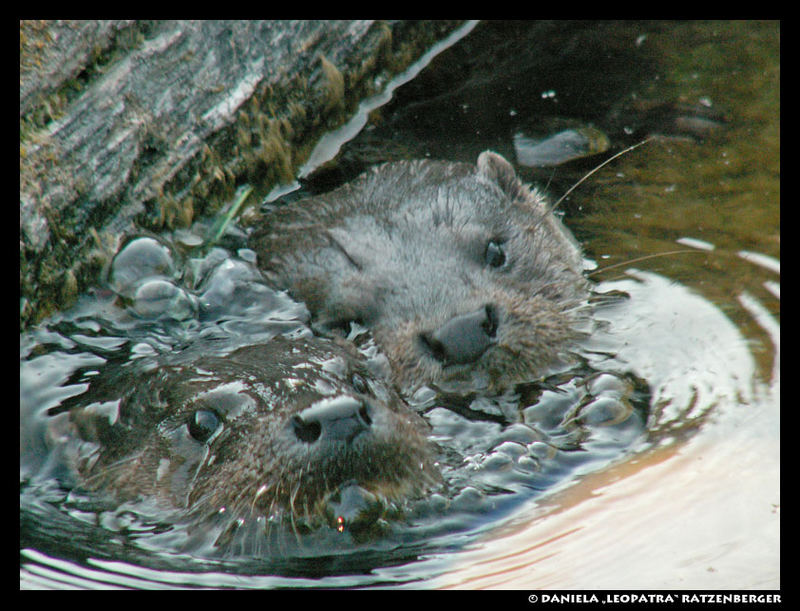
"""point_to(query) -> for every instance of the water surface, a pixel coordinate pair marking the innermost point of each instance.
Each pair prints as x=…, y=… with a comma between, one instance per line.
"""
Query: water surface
x=687, y=225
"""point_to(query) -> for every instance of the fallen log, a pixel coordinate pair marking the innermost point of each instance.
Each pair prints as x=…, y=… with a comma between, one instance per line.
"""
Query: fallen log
x=127, y=125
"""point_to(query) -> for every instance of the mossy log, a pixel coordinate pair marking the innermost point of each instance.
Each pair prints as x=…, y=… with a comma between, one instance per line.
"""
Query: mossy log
x=149, y=124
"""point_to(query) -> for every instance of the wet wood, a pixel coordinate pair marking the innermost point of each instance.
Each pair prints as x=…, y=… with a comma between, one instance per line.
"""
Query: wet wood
x=130, y=124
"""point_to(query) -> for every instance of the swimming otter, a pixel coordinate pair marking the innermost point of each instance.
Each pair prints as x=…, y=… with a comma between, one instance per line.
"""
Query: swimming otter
x=268, y=431
x=461, y=272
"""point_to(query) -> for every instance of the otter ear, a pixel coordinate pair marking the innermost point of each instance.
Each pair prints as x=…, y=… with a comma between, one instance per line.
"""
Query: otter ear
x=495, y=168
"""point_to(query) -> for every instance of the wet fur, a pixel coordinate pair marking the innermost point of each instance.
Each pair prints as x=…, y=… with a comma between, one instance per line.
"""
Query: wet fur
x=255, y=465
x=401, y=250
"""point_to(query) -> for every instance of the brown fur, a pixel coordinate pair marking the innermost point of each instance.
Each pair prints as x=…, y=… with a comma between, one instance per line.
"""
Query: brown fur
x=255, y=464
x=403, y=250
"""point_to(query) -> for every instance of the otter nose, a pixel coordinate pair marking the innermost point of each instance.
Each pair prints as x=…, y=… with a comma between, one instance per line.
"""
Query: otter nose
x=464, y=338
x=336, y=419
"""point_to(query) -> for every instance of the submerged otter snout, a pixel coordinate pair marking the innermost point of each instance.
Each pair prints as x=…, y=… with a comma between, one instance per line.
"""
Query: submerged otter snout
x=337, y=419
x=463, y=339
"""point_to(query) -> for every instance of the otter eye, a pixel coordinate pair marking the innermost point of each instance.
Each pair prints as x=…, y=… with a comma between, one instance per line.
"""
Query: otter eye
x=202, y=424
x=494, y=255
x=359, y=384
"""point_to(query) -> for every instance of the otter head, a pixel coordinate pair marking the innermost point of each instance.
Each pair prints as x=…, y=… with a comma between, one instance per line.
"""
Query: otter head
x=279, y=430
x=461, y=272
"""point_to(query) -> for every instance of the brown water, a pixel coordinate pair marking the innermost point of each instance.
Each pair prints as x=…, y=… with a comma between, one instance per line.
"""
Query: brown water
x=702, y=511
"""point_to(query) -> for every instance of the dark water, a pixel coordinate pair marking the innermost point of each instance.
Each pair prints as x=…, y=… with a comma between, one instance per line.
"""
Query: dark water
x=696, y=345
x=702, y=326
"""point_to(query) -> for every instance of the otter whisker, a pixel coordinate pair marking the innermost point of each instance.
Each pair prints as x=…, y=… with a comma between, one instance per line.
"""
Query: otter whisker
x=94, y=478
x=598, y=167
x=682, y=251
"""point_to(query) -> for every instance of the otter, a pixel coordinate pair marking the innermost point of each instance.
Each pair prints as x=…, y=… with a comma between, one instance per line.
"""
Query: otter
x=461, y=272
x=291, y=428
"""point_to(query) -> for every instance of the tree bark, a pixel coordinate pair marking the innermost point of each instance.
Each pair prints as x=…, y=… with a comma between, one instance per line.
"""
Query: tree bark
x=127, y=125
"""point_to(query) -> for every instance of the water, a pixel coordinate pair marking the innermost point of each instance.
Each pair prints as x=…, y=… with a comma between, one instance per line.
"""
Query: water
x=701, y=328
x=702, y=509
x=79, y=369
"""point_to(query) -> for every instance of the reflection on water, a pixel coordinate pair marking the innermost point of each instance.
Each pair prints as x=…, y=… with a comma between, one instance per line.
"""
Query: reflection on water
x=702, y=513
